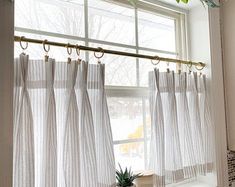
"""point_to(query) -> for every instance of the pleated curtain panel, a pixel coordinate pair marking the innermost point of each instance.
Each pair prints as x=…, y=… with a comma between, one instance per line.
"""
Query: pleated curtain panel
x=182, y=133
x=62, y=132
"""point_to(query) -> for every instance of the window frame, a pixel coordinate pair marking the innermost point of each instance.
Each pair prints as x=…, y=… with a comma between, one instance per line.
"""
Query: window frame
x=180, y=19
x=142, y=92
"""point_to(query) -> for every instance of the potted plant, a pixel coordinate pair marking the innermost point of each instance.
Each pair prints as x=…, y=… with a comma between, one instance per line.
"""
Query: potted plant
x=125, y=178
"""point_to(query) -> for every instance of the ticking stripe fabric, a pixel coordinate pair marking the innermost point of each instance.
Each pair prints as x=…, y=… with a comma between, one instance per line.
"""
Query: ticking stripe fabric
x=62, y=133
x=24, y=165
x=182, y=132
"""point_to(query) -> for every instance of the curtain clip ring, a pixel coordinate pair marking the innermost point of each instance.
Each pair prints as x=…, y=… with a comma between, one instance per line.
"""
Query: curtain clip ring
x=100, y=50
x=46, y=49
x=69, y=51
x=190, y=65
x=200, y=66
x=168, y=67
x=157, y=59
x=78, y=53
x=26, y=43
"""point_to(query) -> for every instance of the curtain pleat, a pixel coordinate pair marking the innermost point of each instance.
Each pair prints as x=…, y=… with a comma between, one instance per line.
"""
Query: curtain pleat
x=71, y=157
x=207, y=128
x=103, y=132
x=186, y=142
x=63, y=126
x=195, y=121
x=157, y=145
x=174, y=172
x=49, y=161
x=181, y=133
x=87, y=134
x=24, y=174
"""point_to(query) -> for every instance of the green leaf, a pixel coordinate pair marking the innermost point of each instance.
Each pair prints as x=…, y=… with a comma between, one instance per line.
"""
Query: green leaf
x=185, y=1
x=125, y=177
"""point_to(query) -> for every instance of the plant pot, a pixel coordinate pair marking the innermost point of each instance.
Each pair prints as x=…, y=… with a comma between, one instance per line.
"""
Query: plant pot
x=129, y=186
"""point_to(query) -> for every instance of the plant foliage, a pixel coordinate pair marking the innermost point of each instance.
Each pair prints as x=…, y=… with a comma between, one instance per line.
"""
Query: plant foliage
x=125, y=178
x=210, y=3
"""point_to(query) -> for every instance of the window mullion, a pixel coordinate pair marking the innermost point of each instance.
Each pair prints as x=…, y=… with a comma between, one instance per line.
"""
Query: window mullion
x=145, y=132
x=118, y=142
x=137, y=47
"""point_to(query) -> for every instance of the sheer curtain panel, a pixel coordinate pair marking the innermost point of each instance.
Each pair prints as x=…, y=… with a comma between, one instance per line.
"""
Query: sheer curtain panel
x=62, y=134
x=182, y=134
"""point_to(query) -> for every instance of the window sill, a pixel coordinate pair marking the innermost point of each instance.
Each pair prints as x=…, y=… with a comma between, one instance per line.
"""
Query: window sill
x=145, y=181
x=190, y=184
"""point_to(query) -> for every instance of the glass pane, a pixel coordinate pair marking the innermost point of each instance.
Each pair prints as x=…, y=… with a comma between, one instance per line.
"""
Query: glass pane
x=126, y=118
x=36, y=50
x=145, y=66
x=147, y=118
x=111, y=22
x=58, y=16
x=119, y=70
x=130, y=155
x=156, y=31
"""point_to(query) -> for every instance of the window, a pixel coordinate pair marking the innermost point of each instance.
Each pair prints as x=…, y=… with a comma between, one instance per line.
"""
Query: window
x=147, y=29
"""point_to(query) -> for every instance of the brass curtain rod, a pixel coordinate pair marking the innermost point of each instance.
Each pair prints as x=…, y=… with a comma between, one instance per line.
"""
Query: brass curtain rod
x=107, y=51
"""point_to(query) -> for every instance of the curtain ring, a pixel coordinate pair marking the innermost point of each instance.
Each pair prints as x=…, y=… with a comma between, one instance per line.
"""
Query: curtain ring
x=46, y=50
x=190, y=65
x=78, y=53
x=21, y=45
x=168, y=67
x=78, y=50
x=155, y=58
x=44, y=46
x=200, y=64
x=69, y=49
x=102, y=54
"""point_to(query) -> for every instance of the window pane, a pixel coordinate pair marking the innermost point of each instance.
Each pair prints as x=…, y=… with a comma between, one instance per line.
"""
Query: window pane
x=111, y=22
x=156, y=31
x=119, y=70
x=130, y=155
x=58, y=16
x=126, y=118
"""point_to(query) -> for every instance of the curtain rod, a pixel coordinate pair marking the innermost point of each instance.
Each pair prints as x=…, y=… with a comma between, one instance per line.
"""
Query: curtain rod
x=200, y=65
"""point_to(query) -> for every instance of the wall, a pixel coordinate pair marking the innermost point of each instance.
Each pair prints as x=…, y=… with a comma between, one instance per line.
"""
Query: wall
x=228, y=34
x=198, y=26
x=228, y=44
x=6, y=92
x=205, y=45
x=199, y=50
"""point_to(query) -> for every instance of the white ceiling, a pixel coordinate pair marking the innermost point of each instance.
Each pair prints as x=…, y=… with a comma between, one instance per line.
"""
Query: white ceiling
x=191, y=4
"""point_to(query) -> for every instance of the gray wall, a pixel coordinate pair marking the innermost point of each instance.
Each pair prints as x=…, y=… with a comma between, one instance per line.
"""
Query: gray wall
x=228, y=43
x=6, y=91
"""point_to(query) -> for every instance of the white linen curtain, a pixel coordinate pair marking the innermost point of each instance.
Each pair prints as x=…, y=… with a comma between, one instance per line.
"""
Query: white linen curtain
x=62, y=133
x=182, y=134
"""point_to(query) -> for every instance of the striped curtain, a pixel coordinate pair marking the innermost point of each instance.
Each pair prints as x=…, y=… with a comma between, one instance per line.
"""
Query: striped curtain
x=182, y=132
x=62, y=133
